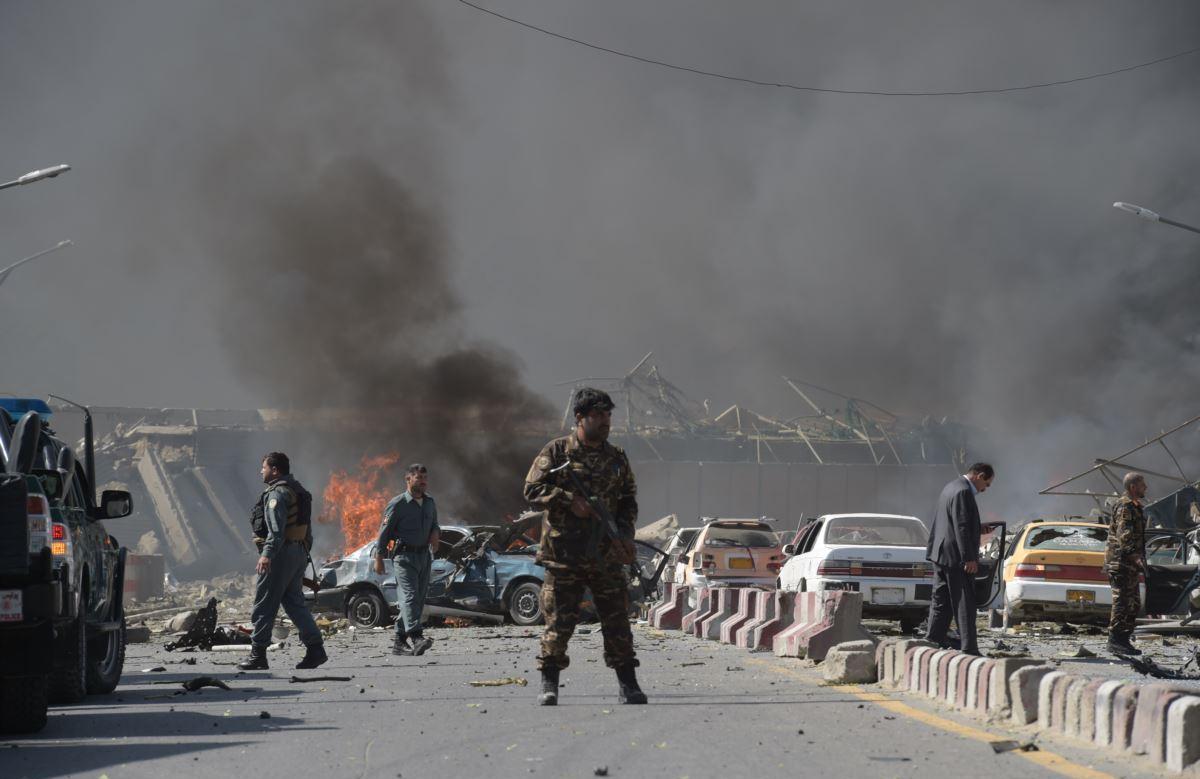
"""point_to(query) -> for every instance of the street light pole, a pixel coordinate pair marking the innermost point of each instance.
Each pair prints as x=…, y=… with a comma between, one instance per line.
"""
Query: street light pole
x=1150, y=216
x=36, y=175
x=5, y=271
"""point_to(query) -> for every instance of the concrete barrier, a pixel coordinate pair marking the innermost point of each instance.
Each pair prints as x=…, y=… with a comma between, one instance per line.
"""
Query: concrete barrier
x=668, y=615
x=764, y=609
x=1159, y=720
x=1023, y=692
x=726, y=601
x=704, y=605
x=1104, y=709
x=1149, y=734
x=1000, y=699
x=821, y=620
x=1183, y=734
x=747, y=604
x=654, y=607
x=778, y=617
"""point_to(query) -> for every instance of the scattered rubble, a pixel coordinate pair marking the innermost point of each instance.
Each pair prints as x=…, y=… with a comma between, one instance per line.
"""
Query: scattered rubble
x=197, y=682
x=303, y=679
x=517, y=680
x=851, y=662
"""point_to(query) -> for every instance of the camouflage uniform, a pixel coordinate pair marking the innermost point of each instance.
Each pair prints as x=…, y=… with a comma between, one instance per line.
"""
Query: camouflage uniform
x=1126, y=543
x=566, y=541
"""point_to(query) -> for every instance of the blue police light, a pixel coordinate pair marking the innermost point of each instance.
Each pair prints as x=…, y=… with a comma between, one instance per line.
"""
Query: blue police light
x=17, y=407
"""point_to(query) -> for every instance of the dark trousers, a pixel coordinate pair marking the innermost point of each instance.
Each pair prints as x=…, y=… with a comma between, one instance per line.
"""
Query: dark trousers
x=412, y=569
x=283, y=585
x=953, y=595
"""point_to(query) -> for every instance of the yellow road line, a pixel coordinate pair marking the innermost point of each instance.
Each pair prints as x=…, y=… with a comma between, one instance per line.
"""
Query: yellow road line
x=1048, y=760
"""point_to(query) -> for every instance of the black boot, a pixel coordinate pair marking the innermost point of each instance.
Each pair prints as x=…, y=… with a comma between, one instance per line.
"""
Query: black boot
x=549, y=694
x=257, y=661
x=1119, y=644
x=630, y=692
x=314, y=655
x=421, y=645
x=400, y=646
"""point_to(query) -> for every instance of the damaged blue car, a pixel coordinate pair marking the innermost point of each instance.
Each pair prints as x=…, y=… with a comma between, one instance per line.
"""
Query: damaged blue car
x=481, y=573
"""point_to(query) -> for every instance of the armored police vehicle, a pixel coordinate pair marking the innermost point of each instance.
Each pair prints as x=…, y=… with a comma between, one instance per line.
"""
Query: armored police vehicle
x=62, y=619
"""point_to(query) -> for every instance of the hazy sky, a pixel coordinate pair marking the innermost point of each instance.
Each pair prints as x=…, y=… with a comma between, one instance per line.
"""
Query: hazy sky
x=951, y=255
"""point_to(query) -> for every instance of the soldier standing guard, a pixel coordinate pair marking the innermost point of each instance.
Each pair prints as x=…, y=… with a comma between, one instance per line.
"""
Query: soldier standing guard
x=282, y=526
x=574, y=557
x=1124, y=560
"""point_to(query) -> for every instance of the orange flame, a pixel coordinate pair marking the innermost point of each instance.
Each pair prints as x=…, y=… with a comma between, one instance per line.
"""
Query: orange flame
x=356, y=501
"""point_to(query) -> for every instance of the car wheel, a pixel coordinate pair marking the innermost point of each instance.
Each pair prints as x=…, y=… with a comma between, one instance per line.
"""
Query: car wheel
x=525, y=603
x=366, y=609
x=23, y=704
x=68, y=683
x=106, y=661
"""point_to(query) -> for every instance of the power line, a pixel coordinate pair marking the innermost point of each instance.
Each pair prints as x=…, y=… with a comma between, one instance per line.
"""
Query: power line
x=802, y=88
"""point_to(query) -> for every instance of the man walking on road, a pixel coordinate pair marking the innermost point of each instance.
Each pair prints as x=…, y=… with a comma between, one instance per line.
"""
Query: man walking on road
x=282, y=525
x=410, y=520
x=1124, y=561
x=574, y=556
x=954, y=551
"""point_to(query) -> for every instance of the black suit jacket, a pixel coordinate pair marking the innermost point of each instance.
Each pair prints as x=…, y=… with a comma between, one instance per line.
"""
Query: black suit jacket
x=954, y=534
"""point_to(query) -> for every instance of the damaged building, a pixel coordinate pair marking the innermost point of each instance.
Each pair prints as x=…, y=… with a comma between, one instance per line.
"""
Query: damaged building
x=194, y=473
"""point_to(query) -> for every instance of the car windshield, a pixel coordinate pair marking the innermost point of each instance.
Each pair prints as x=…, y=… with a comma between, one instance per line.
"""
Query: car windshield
x=875, y=531
x=1067, y=538
x=740, y=536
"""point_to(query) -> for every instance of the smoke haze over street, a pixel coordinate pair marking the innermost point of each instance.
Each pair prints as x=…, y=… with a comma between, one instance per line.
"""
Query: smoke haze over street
x=290, y=204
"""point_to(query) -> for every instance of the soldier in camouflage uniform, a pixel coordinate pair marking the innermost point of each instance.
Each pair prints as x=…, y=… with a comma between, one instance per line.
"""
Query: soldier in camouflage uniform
x=570, y=553
x=1124, y=560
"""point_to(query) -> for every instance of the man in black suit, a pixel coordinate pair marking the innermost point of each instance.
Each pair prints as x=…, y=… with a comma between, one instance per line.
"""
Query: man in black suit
x=954, y=551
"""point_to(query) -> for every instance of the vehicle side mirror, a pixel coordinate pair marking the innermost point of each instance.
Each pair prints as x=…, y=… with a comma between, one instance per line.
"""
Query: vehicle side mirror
x=115, y=504
x=789, y=549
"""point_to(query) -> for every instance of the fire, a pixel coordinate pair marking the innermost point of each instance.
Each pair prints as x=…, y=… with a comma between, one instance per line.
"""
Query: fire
x=356, y=501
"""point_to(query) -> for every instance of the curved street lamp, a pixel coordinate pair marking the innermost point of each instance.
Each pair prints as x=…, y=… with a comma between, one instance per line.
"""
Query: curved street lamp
x=5, y=271
x=36, y=175
x=1150, y=216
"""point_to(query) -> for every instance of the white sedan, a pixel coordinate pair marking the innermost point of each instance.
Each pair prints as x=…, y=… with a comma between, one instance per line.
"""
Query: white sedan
x=880, y=555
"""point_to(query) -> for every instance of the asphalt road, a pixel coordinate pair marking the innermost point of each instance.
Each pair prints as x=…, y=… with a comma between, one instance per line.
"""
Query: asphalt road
x=715, y=711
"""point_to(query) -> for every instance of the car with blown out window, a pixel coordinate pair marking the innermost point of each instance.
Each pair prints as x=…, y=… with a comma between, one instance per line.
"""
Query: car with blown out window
x=880, y=555
x=474, y=574
x=1054, y=570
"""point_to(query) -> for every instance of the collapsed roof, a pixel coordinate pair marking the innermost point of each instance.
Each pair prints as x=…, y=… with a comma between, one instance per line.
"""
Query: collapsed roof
x=657, y=420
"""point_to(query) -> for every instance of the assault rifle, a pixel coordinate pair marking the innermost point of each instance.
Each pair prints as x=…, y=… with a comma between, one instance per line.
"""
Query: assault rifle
x=607, y=526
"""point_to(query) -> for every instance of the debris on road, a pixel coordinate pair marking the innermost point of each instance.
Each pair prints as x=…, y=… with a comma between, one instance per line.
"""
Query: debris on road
x=1082, y=651
x=517, y=680
x=1147, y=666
x=195, y=683
x=300, y=679
x=182, y=622
x=154, y=670
x=264, y=715
x=137, y=634
x=200, y=634
x=1008, y=745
